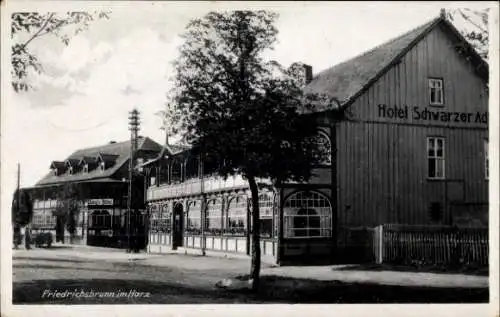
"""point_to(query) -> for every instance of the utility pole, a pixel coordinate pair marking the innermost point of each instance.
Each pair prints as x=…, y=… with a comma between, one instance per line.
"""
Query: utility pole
x=134, y=130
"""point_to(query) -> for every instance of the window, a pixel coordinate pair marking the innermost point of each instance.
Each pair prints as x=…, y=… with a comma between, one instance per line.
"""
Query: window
x=102, y=165
x=160, y=219
x=165, y=220
x=237, y=216
x=213, y=223
x=70, y=170
x=152, y=176
x=193, y=225
x=435, y=158
x=436, y=96
x=86, y=168
x=176, y=172
x=100, y=218
x=266, y=207
x=266, y=215
x=324, y=148
x=307, y=214
x=486, y=161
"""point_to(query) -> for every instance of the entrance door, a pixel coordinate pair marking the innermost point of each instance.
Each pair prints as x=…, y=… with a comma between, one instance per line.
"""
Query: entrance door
x=178, y=228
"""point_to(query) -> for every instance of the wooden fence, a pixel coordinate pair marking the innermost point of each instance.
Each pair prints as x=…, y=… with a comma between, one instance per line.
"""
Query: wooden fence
x=430, y=245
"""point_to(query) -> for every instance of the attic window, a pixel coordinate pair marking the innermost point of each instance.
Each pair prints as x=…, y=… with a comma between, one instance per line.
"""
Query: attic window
x=70, y=170
x=54, y=172
x=436, y=96
x=86, y=168
x=102, y=166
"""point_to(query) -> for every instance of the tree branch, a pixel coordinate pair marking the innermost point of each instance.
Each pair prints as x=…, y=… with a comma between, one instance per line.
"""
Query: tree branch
x=37, y=34
x=472, y=22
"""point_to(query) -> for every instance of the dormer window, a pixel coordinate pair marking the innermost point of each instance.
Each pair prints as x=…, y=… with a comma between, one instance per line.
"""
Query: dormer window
x=70, y=170
x=54, y=172
x=102, y=165
x=86, y=168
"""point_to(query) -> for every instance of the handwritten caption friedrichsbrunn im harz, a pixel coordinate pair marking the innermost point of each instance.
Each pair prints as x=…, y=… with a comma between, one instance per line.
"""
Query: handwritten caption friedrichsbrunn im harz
x=431, y=114
x=81, y=293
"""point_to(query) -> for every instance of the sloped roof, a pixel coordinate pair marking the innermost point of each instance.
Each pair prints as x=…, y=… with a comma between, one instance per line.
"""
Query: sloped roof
x=168, y=150
x=89, y=160
x=347, y=80
x=58, y=164
x=72, y=161
x=108, y=158
x=119, y=151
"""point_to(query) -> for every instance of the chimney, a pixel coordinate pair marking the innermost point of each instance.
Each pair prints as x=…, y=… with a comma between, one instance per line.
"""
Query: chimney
x=442, y=13
x=308, y=73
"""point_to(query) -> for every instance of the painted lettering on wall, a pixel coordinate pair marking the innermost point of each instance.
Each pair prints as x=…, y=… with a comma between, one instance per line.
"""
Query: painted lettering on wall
x=100, y=202
x=431, y=114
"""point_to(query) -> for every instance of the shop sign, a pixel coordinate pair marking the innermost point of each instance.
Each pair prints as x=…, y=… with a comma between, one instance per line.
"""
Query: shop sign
x=100, y=202
x=431, y=114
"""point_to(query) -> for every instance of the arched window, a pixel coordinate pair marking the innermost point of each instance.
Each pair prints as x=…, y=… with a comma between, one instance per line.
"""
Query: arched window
x=324, y=147
x=165, y=219
x=153, y=218
x=176, y=172
x=307, y=214
x=237, y=216
x=266, y=215
x=193, y=225
x=213, y=224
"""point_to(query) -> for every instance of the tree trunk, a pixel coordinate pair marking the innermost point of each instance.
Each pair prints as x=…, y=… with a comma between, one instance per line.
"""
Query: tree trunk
x=27, y=237
x=17, y=236
x=255, y=266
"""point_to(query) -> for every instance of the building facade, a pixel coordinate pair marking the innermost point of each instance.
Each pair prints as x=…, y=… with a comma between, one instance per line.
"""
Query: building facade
x=94, y=182
x=408, y=143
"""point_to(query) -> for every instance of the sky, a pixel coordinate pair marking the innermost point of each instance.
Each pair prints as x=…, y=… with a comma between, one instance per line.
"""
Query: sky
x=83, y=96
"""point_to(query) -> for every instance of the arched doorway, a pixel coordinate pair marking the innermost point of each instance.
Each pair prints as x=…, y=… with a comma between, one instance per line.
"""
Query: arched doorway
x=307, y=229
x=178, y=226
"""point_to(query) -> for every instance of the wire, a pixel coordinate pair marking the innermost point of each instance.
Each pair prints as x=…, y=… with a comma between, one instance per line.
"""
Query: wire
x=76, y=130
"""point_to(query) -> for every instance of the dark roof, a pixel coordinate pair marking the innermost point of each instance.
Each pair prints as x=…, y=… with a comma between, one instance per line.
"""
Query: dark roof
x=119, y=152
x=89, y=160
x=108, y=158
x=347, y=80
x=168, y=150
x=58, y=165
x=72, y=161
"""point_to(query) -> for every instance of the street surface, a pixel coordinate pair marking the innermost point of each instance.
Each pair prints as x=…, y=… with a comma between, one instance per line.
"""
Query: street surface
x=86, y=275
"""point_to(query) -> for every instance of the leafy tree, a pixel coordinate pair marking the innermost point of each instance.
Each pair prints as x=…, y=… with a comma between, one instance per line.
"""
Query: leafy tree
x=69, y=197
x=22, y=214
x=29, y=26
x=242, y=111
x=476, y=27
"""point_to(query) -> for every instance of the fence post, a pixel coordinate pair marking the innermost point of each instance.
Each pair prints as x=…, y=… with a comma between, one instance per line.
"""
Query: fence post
x=380, y=244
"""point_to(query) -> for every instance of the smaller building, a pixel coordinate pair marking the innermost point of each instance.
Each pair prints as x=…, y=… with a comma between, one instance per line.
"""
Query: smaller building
x=93, y=183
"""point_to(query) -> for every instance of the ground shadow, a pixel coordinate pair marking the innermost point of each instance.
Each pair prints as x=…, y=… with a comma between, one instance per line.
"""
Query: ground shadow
x=273, y=289
x=56, y=267
x=48, y=259
x=97, y=291
x=467, y=270
x=294, y=290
